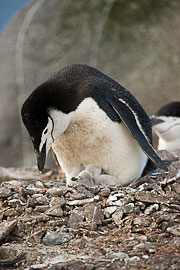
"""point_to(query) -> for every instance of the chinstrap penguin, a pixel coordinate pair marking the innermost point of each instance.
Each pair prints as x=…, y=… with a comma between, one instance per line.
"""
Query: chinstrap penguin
x=166, y=125
x=88, y=118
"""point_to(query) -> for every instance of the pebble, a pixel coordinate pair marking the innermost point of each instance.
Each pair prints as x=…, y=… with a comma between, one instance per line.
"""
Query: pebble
x=145, y=257
x=175, y=230
x=108, y=211
x=132, y=243
x=32, y=202
x=39, y=184
x=142, y=221
x=128, y=208
x=134, y=259
x=115, y=197
x=57, y=222
x=11, y=213
x=6, y=228
x=150, y=209
x=55, y=191
x=54, y=238
x=93, y=213
x=76, y=218
x=57, y=201
x=122, y=256
x=39, y=266
x=41, y=199
x=176, y=188
x=81, y=210
x=55, y=211
x=41, y=208
x=141, y=205
x=117, y=216
x=104, y=192
x=15, y=203
x=141, y=246
x=5, y=192
x=84, y=201
x=149, y=197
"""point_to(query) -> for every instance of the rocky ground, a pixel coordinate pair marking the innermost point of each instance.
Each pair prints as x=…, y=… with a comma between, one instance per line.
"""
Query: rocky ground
x=46, y=225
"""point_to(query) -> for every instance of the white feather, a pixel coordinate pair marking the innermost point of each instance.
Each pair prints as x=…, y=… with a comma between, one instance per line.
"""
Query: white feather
x=168, y=133
x=92, y=138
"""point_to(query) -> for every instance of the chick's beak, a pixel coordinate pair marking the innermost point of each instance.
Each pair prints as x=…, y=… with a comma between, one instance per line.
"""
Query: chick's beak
x=41, y=158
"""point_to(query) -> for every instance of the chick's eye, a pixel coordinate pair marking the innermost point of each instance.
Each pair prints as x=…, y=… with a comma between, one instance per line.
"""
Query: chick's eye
x=46, y=130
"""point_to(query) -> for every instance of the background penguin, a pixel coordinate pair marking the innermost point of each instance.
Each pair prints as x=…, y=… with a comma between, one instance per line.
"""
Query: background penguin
x=88, y=118
x=166, y=125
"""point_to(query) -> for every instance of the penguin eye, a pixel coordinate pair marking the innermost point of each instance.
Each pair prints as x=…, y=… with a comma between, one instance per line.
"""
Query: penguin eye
x=46, y=130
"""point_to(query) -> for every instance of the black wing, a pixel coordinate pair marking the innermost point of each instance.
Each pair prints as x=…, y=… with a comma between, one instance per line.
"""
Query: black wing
x=126, y=108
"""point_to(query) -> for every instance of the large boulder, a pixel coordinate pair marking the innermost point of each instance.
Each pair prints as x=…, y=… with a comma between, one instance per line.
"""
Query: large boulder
x=135, y=42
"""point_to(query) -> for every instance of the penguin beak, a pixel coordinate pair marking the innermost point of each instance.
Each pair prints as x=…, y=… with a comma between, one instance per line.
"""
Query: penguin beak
x=41, y=158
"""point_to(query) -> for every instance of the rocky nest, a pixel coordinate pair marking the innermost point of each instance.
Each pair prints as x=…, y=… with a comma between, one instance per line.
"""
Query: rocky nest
x=46, y=225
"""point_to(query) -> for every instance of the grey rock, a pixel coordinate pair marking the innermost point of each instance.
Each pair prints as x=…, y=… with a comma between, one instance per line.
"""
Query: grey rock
x=142, y=221
x=151, y=250
x=149, y=197
x=140, y=204
x=116, y=196
x=55, y=211
x=93, y=213
x=152, y=208
x=84, y=201
x=57, y=222
x=141, y=246
x=117, y=216
x=15, y=203
x=54, y=238
x=175, y=206
x=115, y=203
x=41, y=199
x=122, y=256
x=175, y=230
x=108, y=211
x=128, y=208
x=145, y=257
x=104, y=192
x=28, y=210
x=32, y=202
x=142, y=238
x=176, y=187
x=76, y=218
x=134, y=259
x=57, y=201
x=55, y=191
x=6, y=228
x=5, y=192
x=132, y=243
x=94, y=47
x=39, y=184
x=41, y=208
x=11, y=213
x=33, y=190
x=39, y=266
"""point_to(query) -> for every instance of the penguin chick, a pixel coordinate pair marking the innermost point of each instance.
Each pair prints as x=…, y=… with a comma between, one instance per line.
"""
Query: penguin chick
x=166, y=125
x=92, y=175
x=86, y=117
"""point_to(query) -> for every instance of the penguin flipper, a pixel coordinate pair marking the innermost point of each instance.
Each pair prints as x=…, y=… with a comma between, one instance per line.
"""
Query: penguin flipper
x=130, y=119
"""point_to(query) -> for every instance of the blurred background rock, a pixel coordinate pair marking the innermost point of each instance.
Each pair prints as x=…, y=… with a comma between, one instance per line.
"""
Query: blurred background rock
x=135, y=42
